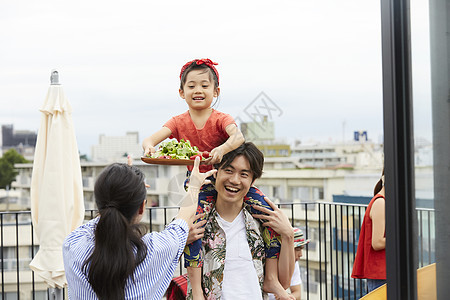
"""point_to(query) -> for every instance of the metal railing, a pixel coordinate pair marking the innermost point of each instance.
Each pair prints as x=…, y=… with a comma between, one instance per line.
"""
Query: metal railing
x=326, y=265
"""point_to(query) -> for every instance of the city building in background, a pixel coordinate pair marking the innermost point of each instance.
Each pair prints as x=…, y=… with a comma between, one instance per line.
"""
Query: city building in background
x=111, y=148
x=262, y=134
x=311, y=174
x=23, y=141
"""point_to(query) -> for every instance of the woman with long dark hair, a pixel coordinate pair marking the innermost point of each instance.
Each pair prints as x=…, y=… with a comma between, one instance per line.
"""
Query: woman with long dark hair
x=370, y=261
x=111, y=257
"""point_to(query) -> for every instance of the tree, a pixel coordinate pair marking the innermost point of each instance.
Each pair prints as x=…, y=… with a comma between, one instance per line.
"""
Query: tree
x=7, y=172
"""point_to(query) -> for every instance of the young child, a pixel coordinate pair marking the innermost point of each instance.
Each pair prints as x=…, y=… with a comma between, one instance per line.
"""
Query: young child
x=205, y=127
x=211, y=131
x=296, y=281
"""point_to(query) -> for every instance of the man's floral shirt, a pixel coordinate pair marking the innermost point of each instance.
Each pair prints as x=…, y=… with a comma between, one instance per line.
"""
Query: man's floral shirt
x=206, y=199
x=213, y=252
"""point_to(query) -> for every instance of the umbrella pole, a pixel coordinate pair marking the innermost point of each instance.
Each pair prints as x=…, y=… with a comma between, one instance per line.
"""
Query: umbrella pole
x=55, y=294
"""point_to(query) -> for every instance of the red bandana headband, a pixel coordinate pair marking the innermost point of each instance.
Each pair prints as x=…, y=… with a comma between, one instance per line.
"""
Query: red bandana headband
x=205, y=61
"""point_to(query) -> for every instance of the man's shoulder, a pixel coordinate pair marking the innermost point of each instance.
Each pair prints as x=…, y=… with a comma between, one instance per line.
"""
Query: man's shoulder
x=250, y=222
x=248, y=213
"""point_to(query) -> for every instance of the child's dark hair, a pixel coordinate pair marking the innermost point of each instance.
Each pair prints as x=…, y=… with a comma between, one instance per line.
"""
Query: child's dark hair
x=206, y=64
x=254, y=156
x=379, y=184
x=119, y=193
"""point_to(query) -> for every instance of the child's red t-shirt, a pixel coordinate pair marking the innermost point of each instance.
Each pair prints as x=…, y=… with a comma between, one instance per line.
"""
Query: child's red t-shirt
x=212, y=135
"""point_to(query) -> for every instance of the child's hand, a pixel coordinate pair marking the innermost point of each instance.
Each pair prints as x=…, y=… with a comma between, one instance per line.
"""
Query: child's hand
x=215, y=156
x=149, y=150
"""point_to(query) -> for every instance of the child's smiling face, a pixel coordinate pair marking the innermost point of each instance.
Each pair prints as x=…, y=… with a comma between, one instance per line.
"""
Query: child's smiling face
x=199, y=91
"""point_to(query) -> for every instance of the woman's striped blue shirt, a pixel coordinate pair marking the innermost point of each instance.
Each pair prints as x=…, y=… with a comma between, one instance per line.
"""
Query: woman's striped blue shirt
x=151, y=277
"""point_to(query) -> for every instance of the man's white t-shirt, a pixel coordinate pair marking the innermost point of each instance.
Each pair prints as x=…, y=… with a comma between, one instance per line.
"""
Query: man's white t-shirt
x=239, y=276
x=295, y=280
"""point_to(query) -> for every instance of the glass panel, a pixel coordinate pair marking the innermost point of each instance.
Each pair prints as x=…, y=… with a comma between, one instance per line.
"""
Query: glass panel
x=440, y=76
x=423, y=137
x=430, y=58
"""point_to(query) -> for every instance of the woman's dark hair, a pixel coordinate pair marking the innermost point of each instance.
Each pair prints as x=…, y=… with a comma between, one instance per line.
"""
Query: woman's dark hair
x=379, y=185
x=119, y=192
x=194, y=66
x=249, y=151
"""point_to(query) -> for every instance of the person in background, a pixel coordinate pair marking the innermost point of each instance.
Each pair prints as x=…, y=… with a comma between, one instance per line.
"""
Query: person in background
x=296, y=281
x=370, y=261
x=111, y=257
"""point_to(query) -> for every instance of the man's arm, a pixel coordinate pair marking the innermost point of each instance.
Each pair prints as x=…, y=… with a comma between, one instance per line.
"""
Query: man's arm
x=286, y=261
x=271, y=283
x=296, y=291
x=279, y=222
x=195, y=277
x=196, y=231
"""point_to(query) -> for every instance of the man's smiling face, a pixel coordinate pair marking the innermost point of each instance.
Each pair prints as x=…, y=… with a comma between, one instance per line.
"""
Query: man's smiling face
x=234, y=181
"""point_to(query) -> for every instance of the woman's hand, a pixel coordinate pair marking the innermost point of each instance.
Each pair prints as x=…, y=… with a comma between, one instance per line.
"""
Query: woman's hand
x=189, y=202
x=197, y=179
x=276, y=219
x=196, y=230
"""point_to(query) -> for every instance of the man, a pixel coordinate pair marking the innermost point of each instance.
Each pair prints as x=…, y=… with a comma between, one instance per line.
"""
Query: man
x=296, y=281
x=232, y=244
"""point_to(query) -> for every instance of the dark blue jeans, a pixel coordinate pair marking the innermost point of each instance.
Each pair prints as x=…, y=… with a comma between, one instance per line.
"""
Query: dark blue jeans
x=373, y=284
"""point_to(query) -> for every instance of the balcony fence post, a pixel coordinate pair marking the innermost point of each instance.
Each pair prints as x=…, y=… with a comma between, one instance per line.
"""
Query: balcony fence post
x=401, y=218
x=55, y=294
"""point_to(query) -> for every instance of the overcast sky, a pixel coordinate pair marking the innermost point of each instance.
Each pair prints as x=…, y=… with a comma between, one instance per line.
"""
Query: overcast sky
x=119, y=62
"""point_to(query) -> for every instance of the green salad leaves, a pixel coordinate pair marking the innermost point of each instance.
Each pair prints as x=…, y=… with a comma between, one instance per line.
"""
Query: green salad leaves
x=176, y=150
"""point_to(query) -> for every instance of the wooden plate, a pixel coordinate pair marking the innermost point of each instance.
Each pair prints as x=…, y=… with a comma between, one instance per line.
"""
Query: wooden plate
x=168, y=161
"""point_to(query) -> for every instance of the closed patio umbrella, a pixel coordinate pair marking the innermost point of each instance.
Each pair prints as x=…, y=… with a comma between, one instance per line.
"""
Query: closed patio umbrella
x=57, y=205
